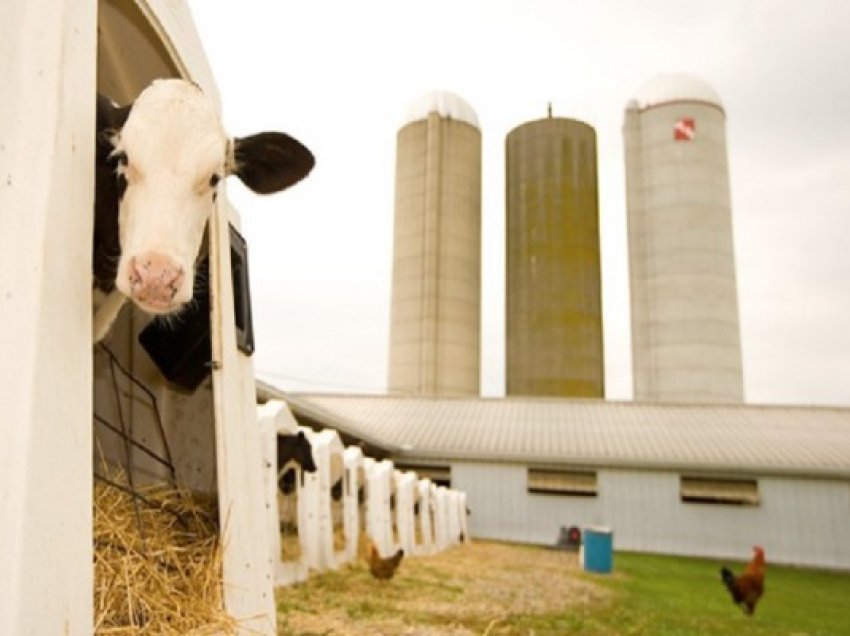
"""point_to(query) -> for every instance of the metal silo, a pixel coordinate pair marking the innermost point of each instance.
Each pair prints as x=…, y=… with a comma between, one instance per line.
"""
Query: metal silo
x=435, y=308
x=553, y=296
x=685, y=333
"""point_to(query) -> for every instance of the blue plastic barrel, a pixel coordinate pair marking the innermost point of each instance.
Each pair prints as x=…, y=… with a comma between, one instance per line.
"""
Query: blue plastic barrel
x=598, y=549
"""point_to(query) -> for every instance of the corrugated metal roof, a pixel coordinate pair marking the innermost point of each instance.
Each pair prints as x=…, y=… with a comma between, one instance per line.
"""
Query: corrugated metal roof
x=775, y=439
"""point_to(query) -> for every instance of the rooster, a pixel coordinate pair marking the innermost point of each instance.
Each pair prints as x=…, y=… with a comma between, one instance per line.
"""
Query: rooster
x=383, y=568
x=747, y=589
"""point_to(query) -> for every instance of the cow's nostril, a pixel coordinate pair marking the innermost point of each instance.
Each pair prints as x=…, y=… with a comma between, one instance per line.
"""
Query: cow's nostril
x=155, y=277
x=135, y=273
x=177, y=279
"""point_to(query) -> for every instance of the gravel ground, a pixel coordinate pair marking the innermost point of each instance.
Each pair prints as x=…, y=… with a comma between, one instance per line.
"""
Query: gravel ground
x=476, y=588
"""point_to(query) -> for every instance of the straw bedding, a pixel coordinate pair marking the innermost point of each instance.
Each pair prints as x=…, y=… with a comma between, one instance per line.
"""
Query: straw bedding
x=158, y=572
x=290, y=543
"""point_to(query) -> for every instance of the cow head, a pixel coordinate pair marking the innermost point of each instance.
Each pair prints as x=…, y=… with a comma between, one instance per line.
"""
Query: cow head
x=295, y=447
x=167, y=153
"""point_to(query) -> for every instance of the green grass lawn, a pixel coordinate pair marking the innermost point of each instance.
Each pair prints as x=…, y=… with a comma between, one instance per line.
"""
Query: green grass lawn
x=497, y=589
x=679, y=596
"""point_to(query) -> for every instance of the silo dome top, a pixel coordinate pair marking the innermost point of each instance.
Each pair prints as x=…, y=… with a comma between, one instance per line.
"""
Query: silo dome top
x=443, y=102
x=675, y=87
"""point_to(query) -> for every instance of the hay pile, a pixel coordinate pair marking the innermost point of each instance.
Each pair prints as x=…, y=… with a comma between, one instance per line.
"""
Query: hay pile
x=162, y=576
x=339, y=538
x=290, y=542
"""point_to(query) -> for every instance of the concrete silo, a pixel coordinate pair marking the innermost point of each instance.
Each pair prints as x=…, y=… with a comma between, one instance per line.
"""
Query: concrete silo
x=436, y=289
x=553, y=296
x=685, y=332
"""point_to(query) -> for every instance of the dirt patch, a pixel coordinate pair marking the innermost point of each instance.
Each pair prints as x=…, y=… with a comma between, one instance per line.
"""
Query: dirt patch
x=472, y=589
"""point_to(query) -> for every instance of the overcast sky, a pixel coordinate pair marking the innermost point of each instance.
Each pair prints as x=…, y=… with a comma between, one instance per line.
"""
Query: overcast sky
x=341, y=75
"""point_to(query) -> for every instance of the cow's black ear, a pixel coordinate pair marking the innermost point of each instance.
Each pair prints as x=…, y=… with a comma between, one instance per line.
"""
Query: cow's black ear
x=270, y=161
x=110, y=116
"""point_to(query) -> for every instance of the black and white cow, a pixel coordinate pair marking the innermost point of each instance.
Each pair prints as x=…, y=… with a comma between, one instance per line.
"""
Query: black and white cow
x=158, y=163
x=293, y=448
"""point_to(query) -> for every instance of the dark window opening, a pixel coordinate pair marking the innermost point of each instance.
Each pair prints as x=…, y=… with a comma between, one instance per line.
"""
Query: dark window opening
x=561, y=482
x=728, y=492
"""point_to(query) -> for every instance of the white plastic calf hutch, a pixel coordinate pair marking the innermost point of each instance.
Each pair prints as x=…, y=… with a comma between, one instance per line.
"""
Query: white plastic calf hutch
x=379, y=525
x=321, y=505
x=282, y=510
x=287, y=534
x=55, y=55
x=355, y=481
x=440, y=496
x=279, y=416
x=464, y=517
x=454, y=517
x=424, y=535
x=405, y=482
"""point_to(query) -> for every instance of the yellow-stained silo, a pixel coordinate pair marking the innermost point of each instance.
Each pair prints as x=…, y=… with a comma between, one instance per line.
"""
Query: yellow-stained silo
x=686, y=344
x=436, y=285
x=553, y=295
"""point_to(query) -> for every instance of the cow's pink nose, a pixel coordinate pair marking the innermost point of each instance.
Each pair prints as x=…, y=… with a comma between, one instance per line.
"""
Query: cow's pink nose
x=154, y=278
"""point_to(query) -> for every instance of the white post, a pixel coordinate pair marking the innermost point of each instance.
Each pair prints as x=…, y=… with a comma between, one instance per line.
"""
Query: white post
x=310, y=505
x=441, y=531
x=246, y=563
x=353, y=460
x=379, y=522
x=268, y=449
x=47, y=61
x=405, y=482
x=330, y=471
x=425, y=525
x=464, y=520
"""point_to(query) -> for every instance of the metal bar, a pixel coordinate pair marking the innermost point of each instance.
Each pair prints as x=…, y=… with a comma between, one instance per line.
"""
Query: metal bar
x=128, y=448
x=141, y=447
x=139, y=497
x=114, y=360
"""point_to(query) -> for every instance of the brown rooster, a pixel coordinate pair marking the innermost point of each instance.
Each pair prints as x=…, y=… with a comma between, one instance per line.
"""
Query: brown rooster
x=747, y=589
x=383, y=568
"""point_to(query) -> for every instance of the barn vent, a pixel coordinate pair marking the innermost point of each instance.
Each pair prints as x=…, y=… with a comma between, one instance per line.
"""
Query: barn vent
x=562, y=482
x=440, y=475
x=734, y=492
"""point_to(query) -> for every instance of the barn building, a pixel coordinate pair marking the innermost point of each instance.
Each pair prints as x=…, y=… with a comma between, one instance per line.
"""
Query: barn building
x=700, y=480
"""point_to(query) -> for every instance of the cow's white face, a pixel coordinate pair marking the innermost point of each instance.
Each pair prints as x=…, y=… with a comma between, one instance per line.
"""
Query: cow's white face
x=174, y=150
x=170, y=151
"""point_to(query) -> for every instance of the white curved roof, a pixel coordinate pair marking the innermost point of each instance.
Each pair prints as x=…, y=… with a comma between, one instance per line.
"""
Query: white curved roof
x=443, y=102
x=737, y=438
x=675, y=87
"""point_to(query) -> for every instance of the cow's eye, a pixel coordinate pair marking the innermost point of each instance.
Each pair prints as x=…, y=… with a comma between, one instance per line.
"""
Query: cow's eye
x=214, y=180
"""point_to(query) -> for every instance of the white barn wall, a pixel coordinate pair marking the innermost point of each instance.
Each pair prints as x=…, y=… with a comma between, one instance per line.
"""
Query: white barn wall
x=799, y=521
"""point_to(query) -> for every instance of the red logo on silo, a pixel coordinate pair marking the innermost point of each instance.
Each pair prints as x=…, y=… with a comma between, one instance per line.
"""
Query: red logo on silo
x=684, y=130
